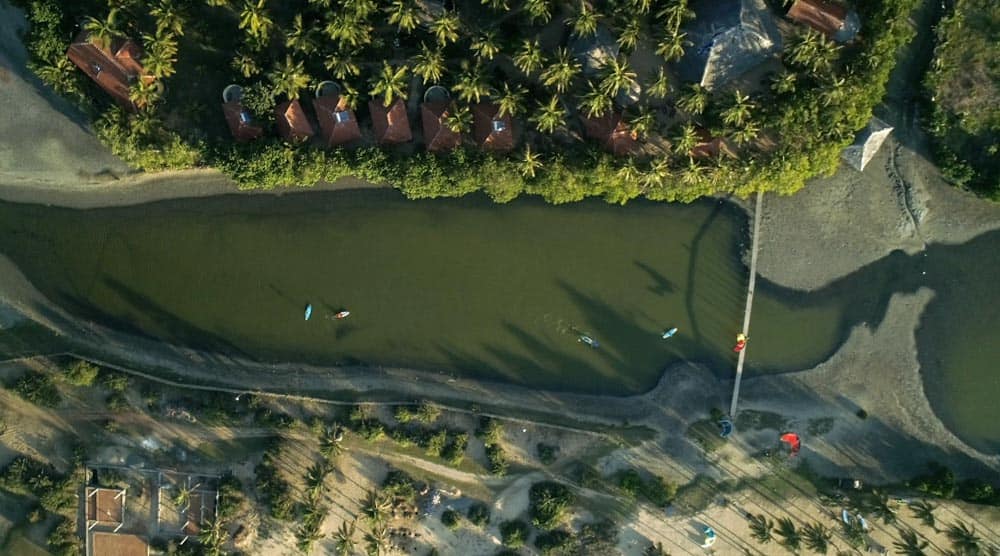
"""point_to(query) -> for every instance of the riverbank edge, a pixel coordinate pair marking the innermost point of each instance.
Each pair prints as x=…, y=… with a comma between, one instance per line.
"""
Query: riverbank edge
x=682, y=396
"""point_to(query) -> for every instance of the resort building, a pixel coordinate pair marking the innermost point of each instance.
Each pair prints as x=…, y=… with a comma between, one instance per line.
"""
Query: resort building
x=337, y=122
x=105, y=507
x=114, y=69
x=833, y=20
x=437, y=135
x=492, y=131
x=611, y=131
x=729, y=38
x=241, y=123
x=292, y=123
x=390, y=123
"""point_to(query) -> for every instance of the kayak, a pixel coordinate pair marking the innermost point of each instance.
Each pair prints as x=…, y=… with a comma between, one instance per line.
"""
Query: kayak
x=309, y=311
x=669, y=333
x=342, y=315
x=589, y=341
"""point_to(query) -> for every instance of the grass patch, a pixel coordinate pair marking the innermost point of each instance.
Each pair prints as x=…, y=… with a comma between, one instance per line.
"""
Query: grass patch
x=749, y=419
x=236, y=449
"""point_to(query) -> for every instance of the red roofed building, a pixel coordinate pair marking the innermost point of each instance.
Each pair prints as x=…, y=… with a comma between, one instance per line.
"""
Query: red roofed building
x=829, y=18
x=337, y=122
x=390, y=123
x=612, y=133
x=113, y=70
x=292, y=122
x=437, y=136
x=240, y=122
x=710, y=147
x=493, y=131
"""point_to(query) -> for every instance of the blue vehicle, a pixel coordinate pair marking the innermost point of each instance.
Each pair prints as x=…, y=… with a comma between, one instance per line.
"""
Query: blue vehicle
x=669, y=333
x=309, y=311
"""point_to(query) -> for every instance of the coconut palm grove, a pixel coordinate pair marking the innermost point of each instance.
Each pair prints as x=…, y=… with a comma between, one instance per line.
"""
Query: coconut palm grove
x=665, y=99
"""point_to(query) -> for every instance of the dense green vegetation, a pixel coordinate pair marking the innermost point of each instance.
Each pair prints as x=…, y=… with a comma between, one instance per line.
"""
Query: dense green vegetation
x=56, y=495
x=37, y=388
x=964, y=86
x=785, y=133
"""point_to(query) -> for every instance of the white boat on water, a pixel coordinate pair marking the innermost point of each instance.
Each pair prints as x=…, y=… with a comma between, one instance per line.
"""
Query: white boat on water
x=669, y=333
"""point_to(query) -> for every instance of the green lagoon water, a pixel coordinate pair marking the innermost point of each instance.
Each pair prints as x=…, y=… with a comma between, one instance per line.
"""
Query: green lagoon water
x=497, y=292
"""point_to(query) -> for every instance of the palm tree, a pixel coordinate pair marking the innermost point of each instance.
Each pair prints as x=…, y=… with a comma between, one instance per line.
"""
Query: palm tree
x=102, y=32
x=963, y=538
x=183, y=497
x=747, y=133
x=161, y=54
x=144, y=94
x=429, y=64
x=695, y=100
x=642, y=123
x=739, y=111
x=168, y=17
x=531, y=162
x=684, y=141
x=343, y=538
x=300, y=38
x=471, y=84
x=348, y=30
x=256, y=20
x=350, y=97
x=497, y=5
x=660, y=86
x=561, y=73
x=671, y=48
x=760, y=525
x=289, y=78
x=315, y=477
x=628, y=36
x=817, y=537
x=879, y=506
x=790, y=536
x=584, y=21
x=360, y=9
x=329, y=447
x=343, y=64
x=641, y=6
x=375, y=506
x=510, y=101
x=459, y=119
x=693, y=176
x=784, y=82
x=529, y=57
x=595, y=102
x=486, y=45
x=812, y=50
x=211, y=537
x=550, y=115
x=656, y=175
x=618, y=76
x=924, y=511
x=674, y=15
x=910, y=544
x=59, y=75
x=404, y=15
x=446, y=27
x=377, y=540
x=391, y=83
x=854, y=533
x=246, y=64
x=538, y=10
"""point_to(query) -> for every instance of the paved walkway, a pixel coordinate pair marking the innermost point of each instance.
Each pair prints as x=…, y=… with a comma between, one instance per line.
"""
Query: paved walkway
x=746, y=313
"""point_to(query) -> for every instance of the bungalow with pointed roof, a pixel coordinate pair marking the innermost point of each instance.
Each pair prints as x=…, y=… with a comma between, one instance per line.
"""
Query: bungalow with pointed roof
x=709, y=146
x=390, y=123
x=337, y=122
x=493, y=132
x=833, y=20
x=611, y=131
x=292, y=123
x=238, y=118
x=113, y=69
x=437, y=135
x=728, y=38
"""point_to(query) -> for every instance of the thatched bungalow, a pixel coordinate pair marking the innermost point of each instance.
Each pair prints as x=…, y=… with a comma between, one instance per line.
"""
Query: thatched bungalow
x=493, y=132
x=390, y=123
x=611, y=131
x=292, y=123
x=437, y=136
x=113, y=70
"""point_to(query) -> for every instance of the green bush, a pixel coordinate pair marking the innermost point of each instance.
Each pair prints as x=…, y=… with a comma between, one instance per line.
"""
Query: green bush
x=436, y=443
x=659, y=491
x=497, y=458
x=117, y=402
x=427, y=412
x=558, y=542
x=451, y=519
x=272, y=489
x=115, y=382
x=939, y=481
x=630, y=482
x=546, y=453
x=38, y=389
x=478, y=514
x=454, y=451
x=549, y=502
x=514, y=533
x=81, y=373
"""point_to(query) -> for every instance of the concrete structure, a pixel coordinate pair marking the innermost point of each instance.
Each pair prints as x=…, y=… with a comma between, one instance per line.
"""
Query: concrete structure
x=867, y=143
x=105, y=507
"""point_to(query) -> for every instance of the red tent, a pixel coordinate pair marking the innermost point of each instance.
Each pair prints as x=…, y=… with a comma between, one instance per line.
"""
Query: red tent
x=793, y=440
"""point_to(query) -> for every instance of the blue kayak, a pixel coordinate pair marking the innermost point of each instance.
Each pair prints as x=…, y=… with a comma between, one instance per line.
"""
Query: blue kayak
x=309, y=311
x=669, y=333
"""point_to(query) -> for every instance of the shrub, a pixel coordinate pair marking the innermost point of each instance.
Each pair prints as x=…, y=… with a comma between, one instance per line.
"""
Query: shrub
x=454, y=452
x=81, y=373
x=479, y=514
x=490, y=431
x=514, y=533
x=403, y=414
x=272, y=488
x=549, y=501
x=546, y=453
x=659, y=491
x=630, y=482
x=555, y=542
x=497, y=459
x=428, y=412
x=117, y=402
x=38, y=389
x=115, y=382
x=939, y=481
x=436, y=443
x=451, y=519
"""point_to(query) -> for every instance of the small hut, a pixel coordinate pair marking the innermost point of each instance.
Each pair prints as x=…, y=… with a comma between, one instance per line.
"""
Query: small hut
x=241, y=123
x=390, y=123
x=493, y=132
x=867, y=143
x=113, y=69
x=611, y=131
x=833, y=20
x=338, y=123
x=292, y=123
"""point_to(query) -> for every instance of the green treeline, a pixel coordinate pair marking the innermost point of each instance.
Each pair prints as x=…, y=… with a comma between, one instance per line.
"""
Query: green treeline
x=805, y=117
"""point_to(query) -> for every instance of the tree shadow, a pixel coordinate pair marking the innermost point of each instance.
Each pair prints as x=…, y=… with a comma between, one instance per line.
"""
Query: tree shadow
x=661, y=284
